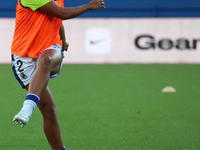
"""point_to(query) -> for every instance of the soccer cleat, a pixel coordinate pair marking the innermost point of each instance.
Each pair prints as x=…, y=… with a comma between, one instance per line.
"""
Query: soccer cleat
x=21, y=118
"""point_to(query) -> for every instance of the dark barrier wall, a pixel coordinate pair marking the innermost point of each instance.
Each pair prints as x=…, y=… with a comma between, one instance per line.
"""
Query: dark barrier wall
x=126, y=8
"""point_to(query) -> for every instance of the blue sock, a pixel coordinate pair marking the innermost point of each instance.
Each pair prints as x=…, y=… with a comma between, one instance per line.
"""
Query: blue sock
x=62, y=148
x=30, y=103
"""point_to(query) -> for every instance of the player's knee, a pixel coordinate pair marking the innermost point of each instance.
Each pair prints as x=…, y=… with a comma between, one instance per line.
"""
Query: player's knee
x=47, y=61
x=50, y=64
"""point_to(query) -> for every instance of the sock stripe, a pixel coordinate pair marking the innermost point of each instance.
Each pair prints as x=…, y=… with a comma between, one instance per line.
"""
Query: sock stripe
x=33, y=97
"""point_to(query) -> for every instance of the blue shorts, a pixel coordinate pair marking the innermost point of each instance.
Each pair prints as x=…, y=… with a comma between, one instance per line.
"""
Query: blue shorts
x=25, y=67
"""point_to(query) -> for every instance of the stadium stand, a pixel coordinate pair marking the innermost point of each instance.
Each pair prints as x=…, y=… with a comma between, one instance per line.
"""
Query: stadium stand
x=126, y=8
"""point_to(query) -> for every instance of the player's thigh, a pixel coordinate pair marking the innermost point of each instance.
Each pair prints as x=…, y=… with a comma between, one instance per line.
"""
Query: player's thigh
x=53, y=57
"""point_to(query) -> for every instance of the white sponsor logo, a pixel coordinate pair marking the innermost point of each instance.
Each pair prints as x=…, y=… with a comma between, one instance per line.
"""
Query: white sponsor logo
x=98, y=41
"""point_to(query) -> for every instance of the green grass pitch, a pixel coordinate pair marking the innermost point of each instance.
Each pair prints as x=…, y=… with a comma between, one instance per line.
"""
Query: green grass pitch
x=110, y=107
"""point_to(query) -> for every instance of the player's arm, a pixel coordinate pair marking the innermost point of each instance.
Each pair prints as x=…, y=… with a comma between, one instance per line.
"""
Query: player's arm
x=62, y=36
x=52, y=8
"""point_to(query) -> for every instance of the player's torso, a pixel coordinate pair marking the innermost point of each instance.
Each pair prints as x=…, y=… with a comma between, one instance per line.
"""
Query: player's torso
x=34, y=31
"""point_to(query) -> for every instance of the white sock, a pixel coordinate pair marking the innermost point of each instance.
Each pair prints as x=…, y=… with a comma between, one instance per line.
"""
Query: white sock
x=29, y=106
x=30, y=103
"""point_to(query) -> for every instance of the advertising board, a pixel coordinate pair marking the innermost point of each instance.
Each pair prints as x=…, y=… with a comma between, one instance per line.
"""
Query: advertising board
x=124, y=40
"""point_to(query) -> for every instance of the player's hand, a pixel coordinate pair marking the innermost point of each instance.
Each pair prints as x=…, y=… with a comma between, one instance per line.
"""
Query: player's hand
x=65, y=46
x=96, y=4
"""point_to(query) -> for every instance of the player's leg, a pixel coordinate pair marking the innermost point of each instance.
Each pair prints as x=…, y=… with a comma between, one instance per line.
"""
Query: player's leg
x=48, y=63
x=50, y=120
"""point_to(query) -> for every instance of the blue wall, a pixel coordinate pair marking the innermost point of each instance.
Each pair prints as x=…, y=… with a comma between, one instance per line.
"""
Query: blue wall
x=126, y=8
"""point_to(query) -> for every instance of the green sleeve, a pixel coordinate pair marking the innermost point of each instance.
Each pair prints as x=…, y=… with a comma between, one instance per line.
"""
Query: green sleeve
x=34, y=4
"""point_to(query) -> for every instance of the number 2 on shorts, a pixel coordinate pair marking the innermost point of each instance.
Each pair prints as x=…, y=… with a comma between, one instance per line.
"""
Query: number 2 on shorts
x=20, y=63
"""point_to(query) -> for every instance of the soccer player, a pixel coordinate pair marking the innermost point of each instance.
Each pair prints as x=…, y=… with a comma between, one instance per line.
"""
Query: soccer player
x=37, y=53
